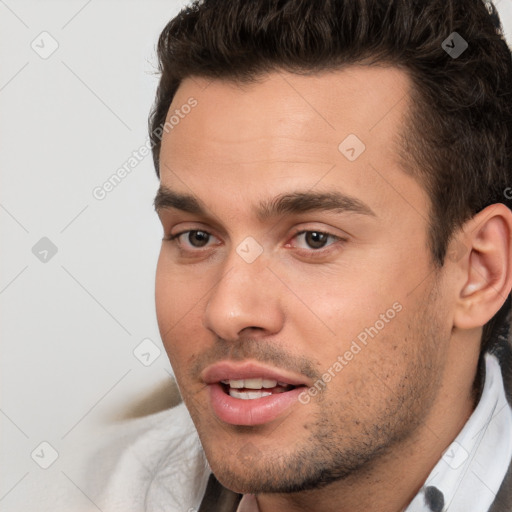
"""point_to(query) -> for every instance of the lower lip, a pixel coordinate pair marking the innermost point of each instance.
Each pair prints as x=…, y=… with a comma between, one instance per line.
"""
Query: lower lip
x=257, y=411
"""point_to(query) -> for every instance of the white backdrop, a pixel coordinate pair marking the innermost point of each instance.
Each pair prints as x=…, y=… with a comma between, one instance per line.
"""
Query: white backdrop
x=71, y=321
x=77, y=272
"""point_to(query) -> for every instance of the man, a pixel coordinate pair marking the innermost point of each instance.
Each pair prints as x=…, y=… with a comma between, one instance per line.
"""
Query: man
x=334, y=279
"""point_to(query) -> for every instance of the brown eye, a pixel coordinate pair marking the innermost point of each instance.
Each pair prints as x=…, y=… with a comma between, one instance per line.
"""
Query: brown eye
x=316, y=239
x=198, y=238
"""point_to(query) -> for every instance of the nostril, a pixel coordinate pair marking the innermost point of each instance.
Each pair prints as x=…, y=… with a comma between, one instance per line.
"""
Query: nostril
x=251, y=328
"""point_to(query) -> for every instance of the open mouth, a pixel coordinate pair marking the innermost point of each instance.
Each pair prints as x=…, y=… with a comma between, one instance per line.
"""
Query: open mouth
x=251, y=389
x=250, y=393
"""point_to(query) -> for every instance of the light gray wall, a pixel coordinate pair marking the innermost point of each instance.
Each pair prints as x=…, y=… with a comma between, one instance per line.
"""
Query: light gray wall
x=69, y=325
x=71, y=321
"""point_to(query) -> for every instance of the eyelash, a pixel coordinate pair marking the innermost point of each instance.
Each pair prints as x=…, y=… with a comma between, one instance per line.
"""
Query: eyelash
x=310, y=252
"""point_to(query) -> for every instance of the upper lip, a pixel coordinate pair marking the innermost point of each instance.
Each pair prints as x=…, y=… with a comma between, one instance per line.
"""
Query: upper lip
x=229, y=370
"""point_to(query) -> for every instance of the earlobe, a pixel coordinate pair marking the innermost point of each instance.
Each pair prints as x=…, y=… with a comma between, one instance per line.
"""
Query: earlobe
x=487, y=267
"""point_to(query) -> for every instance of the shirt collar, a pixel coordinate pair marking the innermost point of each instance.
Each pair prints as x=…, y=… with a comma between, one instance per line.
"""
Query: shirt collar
x=471, y=470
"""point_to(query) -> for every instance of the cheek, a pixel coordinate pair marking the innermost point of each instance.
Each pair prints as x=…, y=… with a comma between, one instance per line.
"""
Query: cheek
x=178, y=290
x=357, y=329
x=179, y=298
x=337, y=306
x=366, y=378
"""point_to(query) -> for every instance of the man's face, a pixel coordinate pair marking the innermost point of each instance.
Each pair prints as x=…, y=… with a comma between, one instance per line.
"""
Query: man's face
x=301, y=269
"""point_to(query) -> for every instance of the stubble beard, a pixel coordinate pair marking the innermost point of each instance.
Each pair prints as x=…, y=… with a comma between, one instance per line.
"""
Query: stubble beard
x=342, y=440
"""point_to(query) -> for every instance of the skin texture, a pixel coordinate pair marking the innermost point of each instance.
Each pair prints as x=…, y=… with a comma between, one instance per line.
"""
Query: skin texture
x=371, y=437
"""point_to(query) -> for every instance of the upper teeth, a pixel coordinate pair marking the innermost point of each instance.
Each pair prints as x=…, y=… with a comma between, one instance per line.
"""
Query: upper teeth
x=251, y=383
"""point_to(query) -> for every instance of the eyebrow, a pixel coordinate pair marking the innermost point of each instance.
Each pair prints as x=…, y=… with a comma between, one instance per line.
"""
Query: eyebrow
x=166, y=198
x=290, y=203
x=302, y=202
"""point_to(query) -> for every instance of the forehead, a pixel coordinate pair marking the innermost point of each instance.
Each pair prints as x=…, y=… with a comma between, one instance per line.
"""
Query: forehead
x=332, y=129
x=365, y=100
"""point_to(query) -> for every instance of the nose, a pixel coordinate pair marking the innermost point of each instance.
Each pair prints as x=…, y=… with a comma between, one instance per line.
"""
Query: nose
x=244, y=301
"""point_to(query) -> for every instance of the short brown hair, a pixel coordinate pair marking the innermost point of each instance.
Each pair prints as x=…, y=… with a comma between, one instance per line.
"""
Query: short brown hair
x=458, y=138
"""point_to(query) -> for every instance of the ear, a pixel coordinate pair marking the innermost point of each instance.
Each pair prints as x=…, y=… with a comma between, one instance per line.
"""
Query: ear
x=486, y=266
